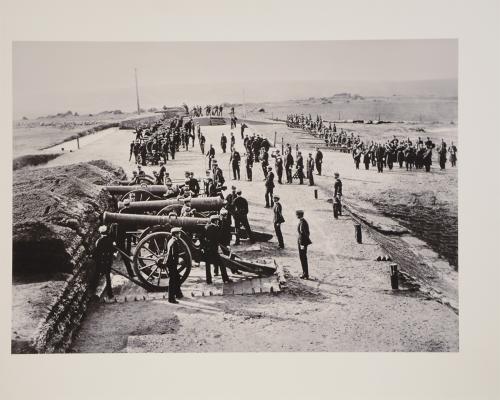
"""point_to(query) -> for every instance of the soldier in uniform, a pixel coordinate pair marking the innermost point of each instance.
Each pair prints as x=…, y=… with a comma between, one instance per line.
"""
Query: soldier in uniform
x=278, y=220
x=229, y=202
x=278, y=166
x=453, y=154
x=269, y=187
x=211, y=250
x=225, y=228
x=318, y=160
x=103, y=256
x=202, y=142
x=288, y=165
x=240, y=205
x=194, y=186
x=264, y=158
x=249, y=165
x=303, y=240
x=210, y=154
x=172, y=261
x=380, y=154
x=235, y=163
x=300, y=167
x=223, y=142
x=337, y=196
x=310, y=170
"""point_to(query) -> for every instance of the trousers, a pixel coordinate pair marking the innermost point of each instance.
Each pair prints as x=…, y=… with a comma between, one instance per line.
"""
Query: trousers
x=303, y=261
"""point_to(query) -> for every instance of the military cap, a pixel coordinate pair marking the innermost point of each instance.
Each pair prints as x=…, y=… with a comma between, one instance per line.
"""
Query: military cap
x=238, y=192
x=233, y=187
x=299, y=213
x=269, y=168
x=276, y=197
x=172, y=214
x=103, y=229
x=336, y=175
x=223, y=211
x=175, y=230
x=214, y=218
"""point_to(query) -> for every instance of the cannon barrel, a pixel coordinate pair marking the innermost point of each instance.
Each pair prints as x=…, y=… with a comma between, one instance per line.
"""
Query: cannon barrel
x=198, y=203
x=144, y=221
x=121, y=190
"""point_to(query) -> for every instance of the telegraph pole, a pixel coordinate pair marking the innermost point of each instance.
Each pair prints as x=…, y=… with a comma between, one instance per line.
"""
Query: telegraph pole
x=137, y=92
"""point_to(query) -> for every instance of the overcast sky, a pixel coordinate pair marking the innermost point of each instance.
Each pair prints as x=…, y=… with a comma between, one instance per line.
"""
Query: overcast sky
x=55, y=70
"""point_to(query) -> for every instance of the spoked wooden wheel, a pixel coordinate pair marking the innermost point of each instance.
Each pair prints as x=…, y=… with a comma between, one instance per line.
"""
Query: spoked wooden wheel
x=137, y=195
x=150, y=258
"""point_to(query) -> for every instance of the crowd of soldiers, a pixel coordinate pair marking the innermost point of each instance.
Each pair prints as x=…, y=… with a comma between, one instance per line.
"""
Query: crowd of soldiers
x=405, y=152
x=416, y=155
x=157, y=143
x=210, y=110
x=162, y=140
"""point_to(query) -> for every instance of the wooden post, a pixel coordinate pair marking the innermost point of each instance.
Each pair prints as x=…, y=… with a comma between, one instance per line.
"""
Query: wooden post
x=357, y=233
x=394, y=277
x=316, y=194
x=78, y=143
x=282, y=147
x=275, y=133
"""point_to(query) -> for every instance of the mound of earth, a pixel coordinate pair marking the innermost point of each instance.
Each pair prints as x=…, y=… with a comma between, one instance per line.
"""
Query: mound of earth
x=56, y=212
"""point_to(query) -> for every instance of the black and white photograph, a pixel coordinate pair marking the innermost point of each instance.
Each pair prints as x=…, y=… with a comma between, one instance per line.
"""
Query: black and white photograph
x=188, y=199
x=176, y=206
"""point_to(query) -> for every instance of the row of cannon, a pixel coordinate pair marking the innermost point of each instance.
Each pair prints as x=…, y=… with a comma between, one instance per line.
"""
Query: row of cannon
x=141, y=231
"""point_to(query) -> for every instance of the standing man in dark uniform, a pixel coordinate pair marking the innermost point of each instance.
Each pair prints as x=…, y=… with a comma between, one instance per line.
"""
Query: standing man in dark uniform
x=380, y=155
x=223, y=142
x=300, y=167
x=202, y=143
x=210, y=155
x=310, y=170
x=249, y=165
x=172, y=261
x=303, y=240
x=229, y=203
x=264, y=162
x=318, y=160
x=269, y=187
x=235, y=163
x=442, y=154
x=278, y=165
x=103, y=257
x=243, y=126
x=212, y=250
x=240, y=215
x=288, y=166
x=278, y=220
x=337, y=196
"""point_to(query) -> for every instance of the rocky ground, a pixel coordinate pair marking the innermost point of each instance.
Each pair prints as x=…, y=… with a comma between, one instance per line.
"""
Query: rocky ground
x=347, y=306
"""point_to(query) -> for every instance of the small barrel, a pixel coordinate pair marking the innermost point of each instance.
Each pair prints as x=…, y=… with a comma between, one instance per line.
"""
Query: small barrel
x=394, y=277
x=357, y=233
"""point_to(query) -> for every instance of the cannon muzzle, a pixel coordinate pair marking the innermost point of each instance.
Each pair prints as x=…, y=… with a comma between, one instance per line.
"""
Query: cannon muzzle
x=188, y=224
x=198, y=203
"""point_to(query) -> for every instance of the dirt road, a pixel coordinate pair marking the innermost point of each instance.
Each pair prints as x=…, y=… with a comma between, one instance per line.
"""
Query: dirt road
x=347, y=306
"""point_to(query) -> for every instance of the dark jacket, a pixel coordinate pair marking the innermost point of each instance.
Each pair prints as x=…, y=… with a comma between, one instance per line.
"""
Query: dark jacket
x=270, y=180
x=278, y=213
x=240, y=206
x=303, y=230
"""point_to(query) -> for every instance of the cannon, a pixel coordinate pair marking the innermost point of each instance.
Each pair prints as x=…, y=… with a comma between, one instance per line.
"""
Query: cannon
x=141, y=192
x=164, y=207
x=141, y=240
